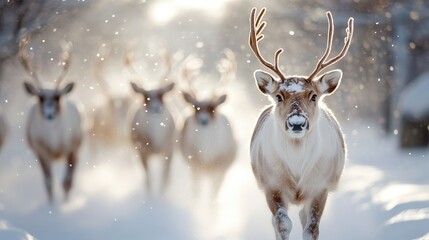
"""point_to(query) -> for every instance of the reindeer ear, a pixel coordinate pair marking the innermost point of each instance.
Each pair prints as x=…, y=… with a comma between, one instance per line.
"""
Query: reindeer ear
x=218, y=101
x=136, y=88
x=30, y=88
x=189, y=98
x=329, y=81
x=67, y=89
x=266, y=83
x=168, y=88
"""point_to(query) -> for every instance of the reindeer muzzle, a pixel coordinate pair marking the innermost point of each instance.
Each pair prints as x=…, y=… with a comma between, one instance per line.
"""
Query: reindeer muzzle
x=297, y=123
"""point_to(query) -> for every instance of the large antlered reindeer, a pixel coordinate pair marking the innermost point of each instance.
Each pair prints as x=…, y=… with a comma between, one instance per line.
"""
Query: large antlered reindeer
x=153, y=129
x=207, y=140
x=54, y=127
x=297, y=148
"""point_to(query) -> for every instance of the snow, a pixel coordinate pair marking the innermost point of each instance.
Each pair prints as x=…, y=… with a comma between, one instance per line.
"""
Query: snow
x=414, y=100
x=383, y=193
x=11, y=233
x=296, y=119
x=292, y=87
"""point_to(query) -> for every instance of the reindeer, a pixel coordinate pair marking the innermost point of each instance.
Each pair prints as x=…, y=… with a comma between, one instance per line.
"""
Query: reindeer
x=54, y=125
x=297, y=148
x=207, y=140
x=153, y=129
x=109, y=116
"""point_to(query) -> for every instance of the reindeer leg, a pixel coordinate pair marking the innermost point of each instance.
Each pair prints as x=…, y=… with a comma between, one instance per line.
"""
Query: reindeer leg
x=166, y=171
x=144, y=158
x=217, y=183
x=281, y=221
x=196, y=182
x=313, y=213
x=68, y=179
x=48, y=177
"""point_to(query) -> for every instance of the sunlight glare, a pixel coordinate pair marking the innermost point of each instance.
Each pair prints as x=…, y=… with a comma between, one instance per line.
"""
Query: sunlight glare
x=396, y=194
x=410, y=215
x=162, y=12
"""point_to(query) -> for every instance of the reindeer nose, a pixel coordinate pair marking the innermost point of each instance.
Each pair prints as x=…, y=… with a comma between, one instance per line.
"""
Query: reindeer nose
x=297, y=123
x=203, y=118
x=50, y=116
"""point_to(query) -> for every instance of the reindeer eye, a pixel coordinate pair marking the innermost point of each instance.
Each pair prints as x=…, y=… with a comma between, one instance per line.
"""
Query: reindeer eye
x=279, y=98
x=313, y=98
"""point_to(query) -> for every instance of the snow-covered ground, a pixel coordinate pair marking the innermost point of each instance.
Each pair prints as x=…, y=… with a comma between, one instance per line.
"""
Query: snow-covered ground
x=384, y=193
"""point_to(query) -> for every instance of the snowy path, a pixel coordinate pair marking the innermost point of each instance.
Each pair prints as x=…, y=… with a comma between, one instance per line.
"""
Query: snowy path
x=384, y=194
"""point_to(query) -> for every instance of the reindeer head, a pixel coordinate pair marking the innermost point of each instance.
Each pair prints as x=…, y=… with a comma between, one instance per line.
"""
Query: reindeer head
x=205, y=110
x=49, y=98
x=153, y=99
x=297, y=98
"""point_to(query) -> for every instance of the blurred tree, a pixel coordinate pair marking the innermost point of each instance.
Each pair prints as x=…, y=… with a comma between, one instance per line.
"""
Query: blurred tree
x=27, y=16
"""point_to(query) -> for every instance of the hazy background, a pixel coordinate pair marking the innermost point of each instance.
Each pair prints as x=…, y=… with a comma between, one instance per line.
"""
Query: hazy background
x=385, y=189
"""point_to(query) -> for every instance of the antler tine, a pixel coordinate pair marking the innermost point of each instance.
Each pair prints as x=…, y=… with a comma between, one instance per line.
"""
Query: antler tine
x=103, y=52
x=256, y=35
x=322, y=63
x=190, y=69
x=168, y=61
x=25, y=59
x=65, y=59
x=227, y=67
x=128, y=61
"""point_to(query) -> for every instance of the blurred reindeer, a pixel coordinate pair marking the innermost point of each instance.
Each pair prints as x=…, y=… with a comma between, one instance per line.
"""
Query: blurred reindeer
x=153, y=129
x=207, y=140
x=110, y=116
x=54, y=128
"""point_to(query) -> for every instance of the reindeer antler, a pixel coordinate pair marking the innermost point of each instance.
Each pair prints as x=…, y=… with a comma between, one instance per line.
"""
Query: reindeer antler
x=25, y=58
x=167, y=57
x=322, y=63
x=65, y=59
x=190, y=69
x=128, y=61
x=256, y=35
x=227, y=67
x=103, y=52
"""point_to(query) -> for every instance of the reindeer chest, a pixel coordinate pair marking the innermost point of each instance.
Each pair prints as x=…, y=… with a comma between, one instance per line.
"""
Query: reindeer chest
x=297, y=176
x=56, y=137
x=47, y=138
x=211, y=144
x=154, y=130
x=298, y=171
